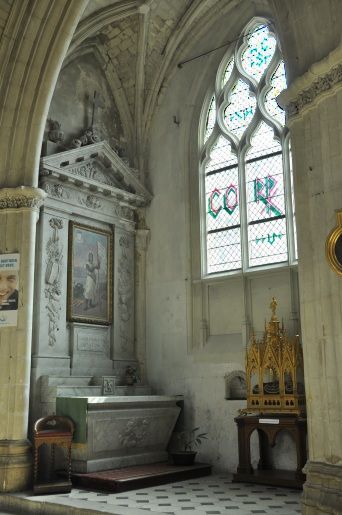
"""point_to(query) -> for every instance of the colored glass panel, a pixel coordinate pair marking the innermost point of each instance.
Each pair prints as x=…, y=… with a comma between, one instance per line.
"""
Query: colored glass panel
x=267, y=239
x=227, y=72
x=227, y=199
x=211, y=118
x=263, y=142
x=278, y=83
x=223, y=251
x=265, y=189
x=240, y=110
x=267, y=242
x=260, y=49
x=220, y=155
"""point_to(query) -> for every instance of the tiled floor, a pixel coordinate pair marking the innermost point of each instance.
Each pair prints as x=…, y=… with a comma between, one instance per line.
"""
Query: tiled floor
x=211, y=495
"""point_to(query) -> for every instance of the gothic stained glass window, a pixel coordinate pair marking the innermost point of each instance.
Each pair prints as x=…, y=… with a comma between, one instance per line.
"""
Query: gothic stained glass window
x=247, y=188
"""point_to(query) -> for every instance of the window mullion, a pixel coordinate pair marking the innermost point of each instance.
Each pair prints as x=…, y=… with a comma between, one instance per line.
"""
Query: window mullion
x=243, y=212
x=288, y=202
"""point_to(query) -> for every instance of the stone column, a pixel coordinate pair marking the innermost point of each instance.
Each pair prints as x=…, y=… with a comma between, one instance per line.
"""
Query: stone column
x=19, y=211
x=314, y=107
x=141, y=243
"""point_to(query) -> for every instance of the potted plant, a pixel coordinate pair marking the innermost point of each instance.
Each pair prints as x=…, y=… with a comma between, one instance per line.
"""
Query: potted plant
x=188, y=441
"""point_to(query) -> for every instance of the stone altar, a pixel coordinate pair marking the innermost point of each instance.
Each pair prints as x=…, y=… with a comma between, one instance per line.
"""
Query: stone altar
x=119, y=431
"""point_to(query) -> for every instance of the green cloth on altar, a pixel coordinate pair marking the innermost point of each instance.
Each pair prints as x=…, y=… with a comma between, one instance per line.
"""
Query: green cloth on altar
x=76, y=409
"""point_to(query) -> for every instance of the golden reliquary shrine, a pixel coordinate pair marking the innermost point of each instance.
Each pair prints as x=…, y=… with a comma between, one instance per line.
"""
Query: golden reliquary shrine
x=274, y=371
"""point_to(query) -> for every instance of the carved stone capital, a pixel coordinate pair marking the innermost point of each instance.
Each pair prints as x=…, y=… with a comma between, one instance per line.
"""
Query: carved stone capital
x=21, y=197
x=322, y=79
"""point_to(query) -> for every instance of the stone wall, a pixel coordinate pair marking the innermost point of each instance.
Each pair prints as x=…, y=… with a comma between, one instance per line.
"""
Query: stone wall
x=197, y=329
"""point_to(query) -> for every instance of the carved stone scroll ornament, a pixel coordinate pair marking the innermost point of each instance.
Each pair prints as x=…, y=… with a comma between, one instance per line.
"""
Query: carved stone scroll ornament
x=125, y=291
x=54, y=251
x=21, y=197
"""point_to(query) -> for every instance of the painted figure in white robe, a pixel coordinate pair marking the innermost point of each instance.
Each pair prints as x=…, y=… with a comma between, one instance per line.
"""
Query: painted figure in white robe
x=91, y=282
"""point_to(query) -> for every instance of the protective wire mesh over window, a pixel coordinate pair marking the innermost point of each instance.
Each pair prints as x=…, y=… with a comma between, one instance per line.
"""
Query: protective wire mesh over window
x=247, y=181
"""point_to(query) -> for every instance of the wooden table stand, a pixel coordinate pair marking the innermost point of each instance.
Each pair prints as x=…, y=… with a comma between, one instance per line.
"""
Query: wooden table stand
x=268, y=428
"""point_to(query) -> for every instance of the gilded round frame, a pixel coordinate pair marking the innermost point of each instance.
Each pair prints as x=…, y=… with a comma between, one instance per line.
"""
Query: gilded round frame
x=333, y=242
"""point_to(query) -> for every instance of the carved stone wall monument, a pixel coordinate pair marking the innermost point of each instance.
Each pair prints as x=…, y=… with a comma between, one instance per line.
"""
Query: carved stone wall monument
x=93, y=186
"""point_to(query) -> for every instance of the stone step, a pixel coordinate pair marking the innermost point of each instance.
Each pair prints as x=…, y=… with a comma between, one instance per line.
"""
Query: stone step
x=139, y=476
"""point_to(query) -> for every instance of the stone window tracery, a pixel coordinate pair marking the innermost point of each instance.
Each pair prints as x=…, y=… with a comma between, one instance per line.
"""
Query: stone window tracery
x=245, y=160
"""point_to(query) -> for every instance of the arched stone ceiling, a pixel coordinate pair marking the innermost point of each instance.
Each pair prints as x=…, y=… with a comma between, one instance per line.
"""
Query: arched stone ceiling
x=140, y=41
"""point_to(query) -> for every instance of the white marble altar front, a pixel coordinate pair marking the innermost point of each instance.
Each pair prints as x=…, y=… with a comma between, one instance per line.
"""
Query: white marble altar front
x=119, y=431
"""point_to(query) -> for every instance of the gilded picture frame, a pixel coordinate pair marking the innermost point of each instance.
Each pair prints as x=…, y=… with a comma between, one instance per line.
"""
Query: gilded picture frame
x=333, y=246
x=90, y=264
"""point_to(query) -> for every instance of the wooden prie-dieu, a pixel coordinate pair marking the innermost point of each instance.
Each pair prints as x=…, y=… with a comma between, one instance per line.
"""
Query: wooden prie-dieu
x=54, y=432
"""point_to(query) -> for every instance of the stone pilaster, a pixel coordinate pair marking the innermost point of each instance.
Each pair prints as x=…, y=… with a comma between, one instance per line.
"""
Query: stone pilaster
x=323, y=489
x=141, y=243
x=314, y=107
x=19, y=211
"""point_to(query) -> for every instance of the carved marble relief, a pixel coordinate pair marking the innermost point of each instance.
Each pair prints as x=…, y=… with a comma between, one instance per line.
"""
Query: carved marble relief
x=134, y=433
x=56, y=190
x=54, y=252
x=125, y=291
x=91, y=171
x=90, y=201
x=127, y=213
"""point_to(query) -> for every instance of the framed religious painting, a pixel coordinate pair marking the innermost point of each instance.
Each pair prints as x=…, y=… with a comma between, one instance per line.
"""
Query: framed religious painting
x=333, y=246
x=90, y=265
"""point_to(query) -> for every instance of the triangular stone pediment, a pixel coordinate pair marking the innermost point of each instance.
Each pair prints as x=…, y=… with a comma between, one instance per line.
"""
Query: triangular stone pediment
x=98, y=167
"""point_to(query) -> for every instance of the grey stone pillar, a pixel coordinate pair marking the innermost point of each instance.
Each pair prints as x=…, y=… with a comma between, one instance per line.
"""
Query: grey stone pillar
x=314, y=106
x=19, y=210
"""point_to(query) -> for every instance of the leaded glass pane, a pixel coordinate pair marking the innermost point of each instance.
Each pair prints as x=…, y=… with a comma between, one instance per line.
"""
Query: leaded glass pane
x=222, y=199
x=211, y=119
x=240, y=110
x=278, y=83
x=265, y=199
x=220, y=155
x=262, y=142
x=260, y=49
x=228, y=71
x=265, y=188
x=223, y=251
x=267, y=242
